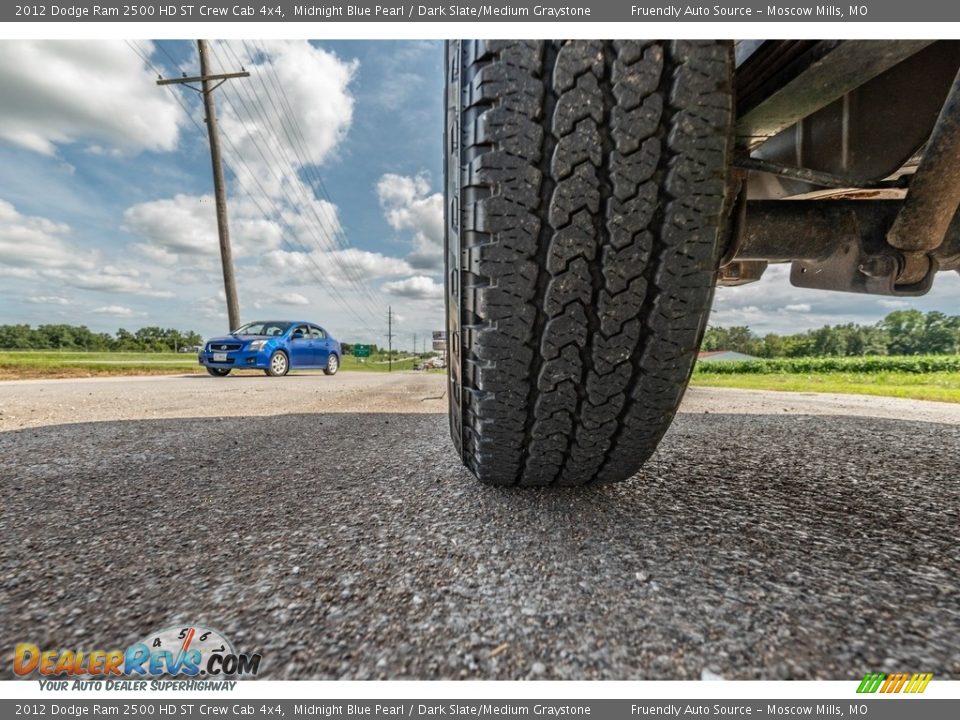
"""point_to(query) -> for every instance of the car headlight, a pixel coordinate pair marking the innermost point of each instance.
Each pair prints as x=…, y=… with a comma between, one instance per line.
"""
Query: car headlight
x=256, y=345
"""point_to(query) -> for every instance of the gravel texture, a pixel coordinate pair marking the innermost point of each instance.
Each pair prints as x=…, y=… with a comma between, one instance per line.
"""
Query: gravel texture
x=761, y=541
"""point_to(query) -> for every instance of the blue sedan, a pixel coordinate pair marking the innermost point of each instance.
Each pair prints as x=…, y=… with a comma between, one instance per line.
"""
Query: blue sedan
x=275, y=346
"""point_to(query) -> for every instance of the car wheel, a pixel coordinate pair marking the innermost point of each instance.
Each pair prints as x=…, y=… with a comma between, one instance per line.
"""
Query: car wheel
x=586, y=189
x=218, y=372
x=279, y=364
x=333, y=364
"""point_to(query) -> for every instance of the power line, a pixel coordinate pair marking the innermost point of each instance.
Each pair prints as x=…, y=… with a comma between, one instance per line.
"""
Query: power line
x=301, y=141
x=332, y=226
x=273, y=171
x=288, y=109
x=279, y=215
x=352, y=278
x=164, y=51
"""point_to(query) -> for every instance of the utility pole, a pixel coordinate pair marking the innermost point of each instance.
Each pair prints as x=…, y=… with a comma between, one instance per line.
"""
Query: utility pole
x=209, y=83
x=414, y=343
x=389, y=339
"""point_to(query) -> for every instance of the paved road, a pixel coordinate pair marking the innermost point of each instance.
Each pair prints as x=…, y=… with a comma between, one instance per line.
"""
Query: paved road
x=773, y=535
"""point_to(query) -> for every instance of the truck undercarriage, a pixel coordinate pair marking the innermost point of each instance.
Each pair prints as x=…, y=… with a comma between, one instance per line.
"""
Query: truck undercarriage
x=846, y=164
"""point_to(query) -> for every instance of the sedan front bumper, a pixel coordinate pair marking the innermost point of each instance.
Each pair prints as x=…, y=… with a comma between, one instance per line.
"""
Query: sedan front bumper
x=236, y=360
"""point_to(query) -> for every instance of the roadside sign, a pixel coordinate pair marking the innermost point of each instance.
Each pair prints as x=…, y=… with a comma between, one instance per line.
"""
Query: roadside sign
x=440, y=340
x=361, y=351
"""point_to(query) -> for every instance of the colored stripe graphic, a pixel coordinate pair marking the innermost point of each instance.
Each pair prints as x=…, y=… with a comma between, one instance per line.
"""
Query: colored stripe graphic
x=871, y=683
x=922, y=680
x=895, y=682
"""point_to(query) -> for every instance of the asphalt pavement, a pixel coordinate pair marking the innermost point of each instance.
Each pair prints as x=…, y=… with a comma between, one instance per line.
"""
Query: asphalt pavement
x=772, y=536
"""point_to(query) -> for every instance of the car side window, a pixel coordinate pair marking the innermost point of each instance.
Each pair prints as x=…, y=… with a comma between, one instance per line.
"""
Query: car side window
x=318, y=333
x=300, y=329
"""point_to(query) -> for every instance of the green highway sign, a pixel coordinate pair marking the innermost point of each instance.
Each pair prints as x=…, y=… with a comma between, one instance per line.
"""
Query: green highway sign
x=361, y=351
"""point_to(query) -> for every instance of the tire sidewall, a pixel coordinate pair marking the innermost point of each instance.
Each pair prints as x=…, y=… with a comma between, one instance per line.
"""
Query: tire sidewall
x=286, y=364
x=335, y=359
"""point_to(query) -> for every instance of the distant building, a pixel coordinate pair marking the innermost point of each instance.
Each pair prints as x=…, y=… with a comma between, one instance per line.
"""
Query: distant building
x=716, y=355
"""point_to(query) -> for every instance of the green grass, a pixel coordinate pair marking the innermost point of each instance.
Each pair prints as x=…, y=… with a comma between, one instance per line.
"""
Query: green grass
x=23, y=364
x=30, y=364
x=940, y=386
x=375, y=364
x=887, y=376
x=817, y=365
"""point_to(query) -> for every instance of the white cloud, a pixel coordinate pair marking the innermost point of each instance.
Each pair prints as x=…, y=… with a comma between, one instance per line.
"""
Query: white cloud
x=187, y=225
x=184, y=224
x=35, y=248
x=289, y=300
x=213, y=308
x=119, y=311
x=110, y=280
x=35, y=242
x=894, y=304
x=157, y=254
x=272, y=142
x=48, y=300
x=292, y=299
x=408, y=204
x=333, y=267
x=418, y=287
x=94, y=92
x=798, y=307
x=20, y=273
x=273, y=136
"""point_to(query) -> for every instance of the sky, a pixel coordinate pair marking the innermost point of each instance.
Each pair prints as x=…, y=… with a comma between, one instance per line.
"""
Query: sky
x=333, y=163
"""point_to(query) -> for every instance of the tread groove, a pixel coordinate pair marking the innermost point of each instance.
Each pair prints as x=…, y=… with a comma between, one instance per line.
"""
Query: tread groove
x=593, y=190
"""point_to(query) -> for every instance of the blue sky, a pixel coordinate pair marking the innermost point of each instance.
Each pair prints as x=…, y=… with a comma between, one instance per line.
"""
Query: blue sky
x=112, y=227
x=106, y=215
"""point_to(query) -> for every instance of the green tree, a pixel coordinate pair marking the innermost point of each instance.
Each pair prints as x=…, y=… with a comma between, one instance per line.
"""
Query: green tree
x=939, y=334
x=906, y=329
x=738, y=338
x=15, y=337
x=57, y=337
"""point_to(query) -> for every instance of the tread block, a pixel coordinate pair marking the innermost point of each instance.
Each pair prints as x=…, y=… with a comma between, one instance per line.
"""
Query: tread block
x=591, y=213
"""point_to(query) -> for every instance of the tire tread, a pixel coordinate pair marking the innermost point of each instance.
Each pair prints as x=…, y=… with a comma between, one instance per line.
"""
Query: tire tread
x=591, y=194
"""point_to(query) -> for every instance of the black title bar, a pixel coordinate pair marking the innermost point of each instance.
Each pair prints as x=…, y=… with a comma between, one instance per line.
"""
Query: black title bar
x=642, y=11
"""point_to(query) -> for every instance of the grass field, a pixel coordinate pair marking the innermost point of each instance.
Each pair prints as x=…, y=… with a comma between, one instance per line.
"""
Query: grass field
x=939, y=386
x=890, y=377
x=921, y=377
x=18, y=365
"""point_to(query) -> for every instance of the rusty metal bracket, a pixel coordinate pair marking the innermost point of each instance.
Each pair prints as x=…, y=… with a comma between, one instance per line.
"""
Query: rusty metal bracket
x=832, y=245
x=934, y=196
x=741, y=272
x=812, y=177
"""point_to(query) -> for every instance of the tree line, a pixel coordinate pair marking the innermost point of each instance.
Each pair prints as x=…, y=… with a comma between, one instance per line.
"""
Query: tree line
x=148, y=339
x=903, y=332
x=81, y=338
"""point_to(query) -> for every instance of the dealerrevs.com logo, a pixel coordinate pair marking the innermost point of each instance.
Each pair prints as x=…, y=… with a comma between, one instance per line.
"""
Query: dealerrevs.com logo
x=193, y=651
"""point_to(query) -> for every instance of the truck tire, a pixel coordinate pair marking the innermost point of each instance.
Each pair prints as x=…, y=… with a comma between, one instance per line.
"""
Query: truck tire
x=586, y=186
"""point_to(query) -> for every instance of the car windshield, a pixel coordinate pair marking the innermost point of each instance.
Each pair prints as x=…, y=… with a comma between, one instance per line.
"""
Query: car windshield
x=263, y=328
